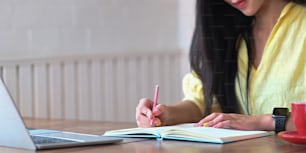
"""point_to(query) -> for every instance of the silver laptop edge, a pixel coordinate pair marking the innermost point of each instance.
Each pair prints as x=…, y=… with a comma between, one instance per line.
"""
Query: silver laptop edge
x=13, y=132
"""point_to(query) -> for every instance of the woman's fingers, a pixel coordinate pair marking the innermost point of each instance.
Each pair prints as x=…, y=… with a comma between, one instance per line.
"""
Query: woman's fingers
x=143, y=121
x=208, y=120
x=144, y=113
x=145, y=117
x=223, y=120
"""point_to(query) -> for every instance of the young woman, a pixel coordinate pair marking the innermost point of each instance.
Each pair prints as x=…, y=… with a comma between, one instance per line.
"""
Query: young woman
x=247, y=57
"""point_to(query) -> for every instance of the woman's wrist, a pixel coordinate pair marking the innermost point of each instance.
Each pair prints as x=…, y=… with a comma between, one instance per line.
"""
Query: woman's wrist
x=170, y=119
x=266, y=122
x=290, y=124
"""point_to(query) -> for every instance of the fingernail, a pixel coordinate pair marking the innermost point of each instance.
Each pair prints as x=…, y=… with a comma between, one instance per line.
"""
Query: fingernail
x=205, y=124
x=158, y=123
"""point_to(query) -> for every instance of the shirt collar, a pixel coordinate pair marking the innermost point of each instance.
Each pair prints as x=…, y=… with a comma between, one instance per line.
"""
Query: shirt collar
x=286, y=10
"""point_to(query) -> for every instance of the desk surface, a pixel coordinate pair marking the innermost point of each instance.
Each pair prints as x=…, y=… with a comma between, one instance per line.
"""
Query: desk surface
x=269, y=144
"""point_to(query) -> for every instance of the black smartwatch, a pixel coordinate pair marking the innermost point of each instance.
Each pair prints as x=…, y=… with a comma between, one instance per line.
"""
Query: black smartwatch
x=280, y=115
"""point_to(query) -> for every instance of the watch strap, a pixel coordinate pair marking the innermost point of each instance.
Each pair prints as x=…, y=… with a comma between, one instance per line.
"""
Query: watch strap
x=280, y=123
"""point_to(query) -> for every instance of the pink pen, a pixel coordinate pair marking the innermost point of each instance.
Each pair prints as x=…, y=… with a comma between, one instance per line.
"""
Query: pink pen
x=155, y=103
x=155, y=97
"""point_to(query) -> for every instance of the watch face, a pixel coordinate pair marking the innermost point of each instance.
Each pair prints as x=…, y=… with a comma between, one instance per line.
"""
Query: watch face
x=280, y=111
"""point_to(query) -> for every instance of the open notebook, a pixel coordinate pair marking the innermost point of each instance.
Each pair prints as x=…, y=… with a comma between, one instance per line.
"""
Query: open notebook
x=188, y=132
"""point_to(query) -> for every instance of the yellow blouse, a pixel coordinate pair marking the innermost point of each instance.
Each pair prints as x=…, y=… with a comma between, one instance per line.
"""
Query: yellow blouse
x=280, y=77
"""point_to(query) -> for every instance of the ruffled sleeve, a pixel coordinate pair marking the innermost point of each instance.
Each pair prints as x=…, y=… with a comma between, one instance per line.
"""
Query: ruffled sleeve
x=193, y=90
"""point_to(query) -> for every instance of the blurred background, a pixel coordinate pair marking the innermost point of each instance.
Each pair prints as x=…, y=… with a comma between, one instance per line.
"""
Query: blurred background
x=93, y=59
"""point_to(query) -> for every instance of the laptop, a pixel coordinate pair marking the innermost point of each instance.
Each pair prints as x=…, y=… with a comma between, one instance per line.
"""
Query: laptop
x=13, y=132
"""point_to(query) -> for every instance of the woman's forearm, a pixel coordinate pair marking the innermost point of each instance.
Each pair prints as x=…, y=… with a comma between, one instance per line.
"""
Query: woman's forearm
x=183, y=112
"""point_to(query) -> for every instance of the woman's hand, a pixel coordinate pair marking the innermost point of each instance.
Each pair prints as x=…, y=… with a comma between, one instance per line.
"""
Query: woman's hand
x=238, y=121
x=145, y=117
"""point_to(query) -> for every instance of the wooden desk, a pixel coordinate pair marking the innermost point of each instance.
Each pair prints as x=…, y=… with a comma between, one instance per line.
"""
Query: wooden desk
x=271, y=144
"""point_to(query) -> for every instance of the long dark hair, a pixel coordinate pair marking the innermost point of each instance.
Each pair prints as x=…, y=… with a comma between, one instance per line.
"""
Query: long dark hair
x=302, y=2
x=213, y=53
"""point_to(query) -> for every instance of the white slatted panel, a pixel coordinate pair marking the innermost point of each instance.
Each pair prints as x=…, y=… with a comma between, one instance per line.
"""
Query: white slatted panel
x=108, y=88
x=10, y=76
x=92, y=87
x=132, y=88
x=96, y=93
x=144, y=76
x=83, y=90
x=56, y=95
x=41, y=90
x=26, y=92
x=70, y=91
x=121, y=89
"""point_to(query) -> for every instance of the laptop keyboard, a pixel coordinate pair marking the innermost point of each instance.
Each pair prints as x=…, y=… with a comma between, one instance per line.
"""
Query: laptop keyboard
x=47, y=140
